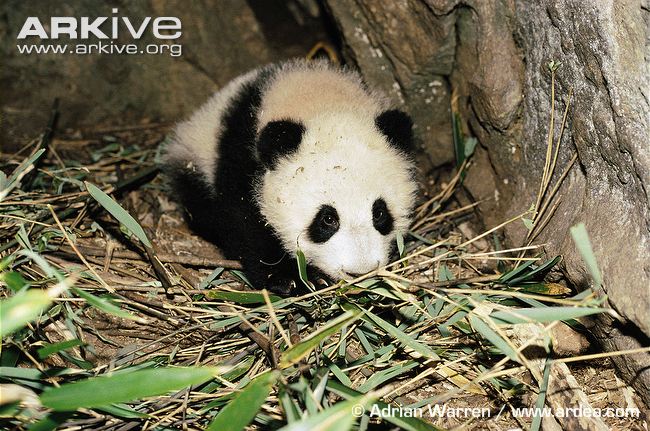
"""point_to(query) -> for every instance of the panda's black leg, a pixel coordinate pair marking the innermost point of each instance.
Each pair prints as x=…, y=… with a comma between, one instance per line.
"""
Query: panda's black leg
x=277, y=278
x=281, y=286
x=318, y=278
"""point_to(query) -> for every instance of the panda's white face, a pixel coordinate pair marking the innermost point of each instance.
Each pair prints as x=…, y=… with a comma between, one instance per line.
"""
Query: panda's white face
x=341, y=198
x=350, y=242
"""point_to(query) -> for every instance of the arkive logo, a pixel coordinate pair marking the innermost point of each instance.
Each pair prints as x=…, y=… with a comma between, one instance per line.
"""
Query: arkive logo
x=165, y=27
x=114, y=35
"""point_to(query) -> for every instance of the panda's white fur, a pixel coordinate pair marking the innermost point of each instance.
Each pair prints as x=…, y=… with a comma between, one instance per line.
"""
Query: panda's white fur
x=343, y=160
x=305, y=93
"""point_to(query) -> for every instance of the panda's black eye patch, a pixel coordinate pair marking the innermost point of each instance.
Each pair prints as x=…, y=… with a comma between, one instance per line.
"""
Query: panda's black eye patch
x=324, y=225
x=382, y=220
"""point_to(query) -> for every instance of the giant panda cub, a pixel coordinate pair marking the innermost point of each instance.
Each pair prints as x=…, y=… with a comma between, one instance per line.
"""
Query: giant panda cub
x=295, y=156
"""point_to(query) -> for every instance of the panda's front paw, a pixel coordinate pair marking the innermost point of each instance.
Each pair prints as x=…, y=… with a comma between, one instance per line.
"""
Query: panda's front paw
x=281, y=286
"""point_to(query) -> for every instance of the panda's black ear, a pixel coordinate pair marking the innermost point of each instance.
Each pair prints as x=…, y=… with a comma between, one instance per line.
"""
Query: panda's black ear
x=397, y=126
x=278, y=139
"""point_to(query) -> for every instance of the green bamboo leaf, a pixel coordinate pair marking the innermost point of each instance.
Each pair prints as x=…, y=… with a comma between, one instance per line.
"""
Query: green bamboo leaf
x=289, y=406
x=122, y=411
x=493, y=337
x=15, y=280
x=50, y=349
x=10, y=409
x=239, y=412
x=118, y=388
x=581, y=238
x=515, y=272
x=402, y=337
x=340, y=417
x=21, y=309
x=302, y=349
x=231, y=375
x=42, y=263
x=10, y=183
x=118, y=212
x=551, y=289
x=537, y=273
x=210, y=278
x=6, y=261
x=364, y=341
x=444, y=273
x=420, y=238
x=51, y=422
x=382, y=376
x=302, y=269
x=544, y=314
x=379, y=289
x=104, y=305
x=403, y=422
x=457, y=138
x=400, y=244
x=339, y=374
x=528, y=223
x=239, y=297
x=541, y=397
x=470, y=145
x=34, y=374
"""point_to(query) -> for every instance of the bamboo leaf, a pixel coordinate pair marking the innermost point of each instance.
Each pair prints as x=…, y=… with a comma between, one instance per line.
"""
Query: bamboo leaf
x=469, y=144
x=118, y=388
x=541, y=397
x=122, y=411
x=239, y=297
x=544, y=314
x=537, y=273
x=302, y=349
x=289, y=406
x=400, y=244
x=104, y=305
x=239, y=412
x=505, y=278
x=385, y=375
x=403, y=422
x=340, y=417
x=581, y=238
x=459, y=380
x=493, y=337
x=21, y=309
x=19, y=172
x=457, y=138
x=53, y=348
x=402, y=337
x=118, y=212
x=552, y=289
x=15, y=280
x=50, y=422
x=302, y=269
x=528, y=223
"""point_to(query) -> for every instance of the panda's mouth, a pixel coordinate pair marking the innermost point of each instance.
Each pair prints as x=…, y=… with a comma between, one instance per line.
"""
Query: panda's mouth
x=353, y=275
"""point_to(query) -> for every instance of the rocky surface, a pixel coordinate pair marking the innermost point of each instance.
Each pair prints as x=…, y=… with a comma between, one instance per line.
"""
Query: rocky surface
x=409, y=62
x=220, y=40
x=492, y=58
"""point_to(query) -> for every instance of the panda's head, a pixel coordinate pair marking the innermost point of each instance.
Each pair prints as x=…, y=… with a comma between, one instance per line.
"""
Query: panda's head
x=339, y=187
